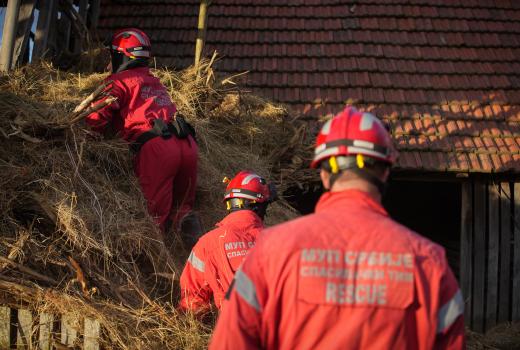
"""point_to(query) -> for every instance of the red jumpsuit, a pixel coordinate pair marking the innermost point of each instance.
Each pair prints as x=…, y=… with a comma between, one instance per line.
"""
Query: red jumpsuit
x=215, y=258
x=345, y=277
x=166, y=168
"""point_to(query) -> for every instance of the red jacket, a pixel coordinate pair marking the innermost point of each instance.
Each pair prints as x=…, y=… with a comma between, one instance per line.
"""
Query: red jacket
x=345, y=277
x=140, y=98
x=215, y=258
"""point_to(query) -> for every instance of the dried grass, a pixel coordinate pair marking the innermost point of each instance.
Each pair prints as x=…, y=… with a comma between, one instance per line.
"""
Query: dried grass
x=71, y=208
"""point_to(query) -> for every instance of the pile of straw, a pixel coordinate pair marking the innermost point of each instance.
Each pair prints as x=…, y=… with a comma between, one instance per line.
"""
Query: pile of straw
x=75, y=234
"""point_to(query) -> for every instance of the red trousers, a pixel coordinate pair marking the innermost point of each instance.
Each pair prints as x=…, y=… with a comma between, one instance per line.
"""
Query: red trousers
x=167, y=173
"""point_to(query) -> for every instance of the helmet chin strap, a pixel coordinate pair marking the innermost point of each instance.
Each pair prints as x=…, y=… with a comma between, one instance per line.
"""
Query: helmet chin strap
x=236, y=204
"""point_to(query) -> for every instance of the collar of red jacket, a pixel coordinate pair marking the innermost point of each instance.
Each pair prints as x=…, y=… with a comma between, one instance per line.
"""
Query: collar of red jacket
x=242, y=218
x=330, y=200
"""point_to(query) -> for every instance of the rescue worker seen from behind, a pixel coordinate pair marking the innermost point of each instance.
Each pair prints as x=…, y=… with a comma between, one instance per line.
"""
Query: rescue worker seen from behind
x=218, y=254
x=346, y=276
x=165, y=151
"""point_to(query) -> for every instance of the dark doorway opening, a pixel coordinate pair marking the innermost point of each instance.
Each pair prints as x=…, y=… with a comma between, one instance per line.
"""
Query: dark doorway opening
x=432, y=209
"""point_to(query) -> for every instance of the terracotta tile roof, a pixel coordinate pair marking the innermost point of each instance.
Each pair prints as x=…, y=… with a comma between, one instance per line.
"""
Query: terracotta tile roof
x=444, y=73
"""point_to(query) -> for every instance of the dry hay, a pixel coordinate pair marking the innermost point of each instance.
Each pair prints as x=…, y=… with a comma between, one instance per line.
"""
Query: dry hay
x=502, y=337
x=75, y=232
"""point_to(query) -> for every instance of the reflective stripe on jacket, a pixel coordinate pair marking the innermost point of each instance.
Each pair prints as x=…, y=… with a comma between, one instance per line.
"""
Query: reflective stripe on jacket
x=215, y=258
x=345, y=277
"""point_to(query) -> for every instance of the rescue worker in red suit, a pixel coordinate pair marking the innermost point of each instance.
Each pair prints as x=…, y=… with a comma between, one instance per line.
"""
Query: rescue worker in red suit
x=346, y=276
x=218, y=254
x=165, y=150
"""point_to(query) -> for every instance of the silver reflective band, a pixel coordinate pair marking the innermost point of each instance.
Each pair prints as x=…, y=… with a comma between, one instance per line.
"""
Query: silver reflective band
x=196, y=262
x=246, y=289
x=449, y=312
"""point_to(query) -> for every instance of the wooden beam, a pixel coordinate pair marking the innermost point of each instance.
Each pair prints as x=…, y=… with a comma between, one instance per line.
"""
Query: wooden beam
x=504, y=287
x=466, y=249
x=8, y=35
x=479, y=256
x=23, y=30
x=201, y=30
x=516, y=256
x=46, y=15
x=493, y=250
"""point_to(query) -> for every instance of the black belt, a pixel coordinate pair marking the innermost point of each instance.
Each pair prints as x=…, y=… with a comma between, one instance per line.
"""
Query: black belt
x=178, y=128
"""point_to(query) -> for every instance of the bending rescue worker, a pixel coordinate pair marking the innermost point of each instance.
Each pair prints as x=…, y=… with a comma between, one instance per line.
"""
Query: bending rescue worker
x=164, y=146
x=346, y=276
x=218, y=254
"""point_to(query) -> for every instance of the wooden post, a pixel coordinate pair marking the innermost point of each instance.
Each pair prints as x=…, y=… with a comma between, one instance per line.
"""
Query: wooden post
x=94, y=14
x=63, y=33
x=8, y=35
x=23, y=30
x=24, y=334
x=5, y=327
x=466, y=249
x=82, y=11
x=47, y=10
x=45, y=334
x=479, y=254
x=504, y=305
x=493, y=255
x=201, y=30
x=516, y=256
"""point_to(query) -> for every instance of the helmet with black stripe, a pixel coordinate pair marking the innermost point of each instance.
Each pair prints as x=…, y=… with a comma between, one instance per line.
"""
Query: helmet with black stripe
x=131, y=42
x=353, y=133
x=354, y=140
x=248, y=190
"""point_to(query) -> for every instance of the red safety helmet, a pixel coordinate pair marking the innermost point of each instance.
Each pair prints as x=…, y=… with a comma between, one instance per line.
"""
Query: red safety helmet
x=131, y=42
x=248, y=185
x=353, y=133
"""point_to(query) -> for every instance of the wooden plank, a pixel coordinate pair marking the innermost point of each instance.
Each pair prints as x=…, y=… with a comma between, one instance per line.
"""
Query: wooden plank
x=69, y=331
x=493, y=246
x=24, y=333
x=94, y=14
x=515, y=316
x=23, y=30
x=466, y=248
x=46, y=16
x=8, y=35
x=92, y=331
x=45, y=334
x=504, y=287
x=82, y=12
x=5, y=327
x=63, y=31
x=479, y=253
x=25, y=19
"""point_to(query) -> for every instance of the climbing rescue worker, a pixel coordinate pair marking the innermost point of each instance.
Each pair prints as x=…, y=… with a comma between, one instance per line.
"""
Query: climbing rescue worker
x=218, y=254
x=164, y=148
x=346, y=276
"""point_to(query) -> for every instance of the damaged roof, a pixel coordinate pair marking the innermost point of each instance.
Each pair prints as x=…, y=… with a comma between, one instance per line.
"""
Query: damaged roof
x=444, y=73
